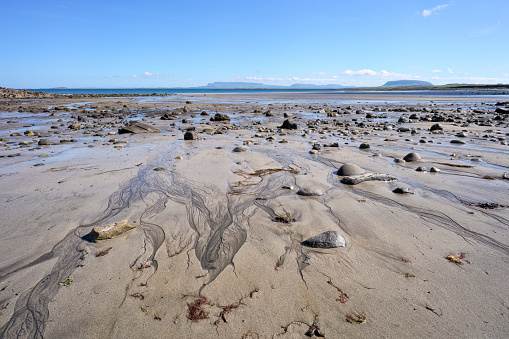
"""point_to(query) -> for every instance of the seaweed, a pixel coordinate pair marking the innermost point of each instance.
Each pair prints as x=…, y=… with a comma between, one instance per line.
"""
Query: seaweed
x=196, y=311
x=103, y=253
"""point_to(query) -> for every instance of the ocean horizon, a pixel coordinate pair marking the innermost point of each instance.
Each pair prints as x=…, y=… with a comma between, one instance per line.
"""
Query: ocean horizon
x=170, y=91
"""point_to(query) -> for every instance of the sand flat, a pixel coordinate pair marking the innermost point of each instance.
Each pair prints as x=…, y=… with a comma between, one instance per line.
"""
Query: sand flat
x=207, y=225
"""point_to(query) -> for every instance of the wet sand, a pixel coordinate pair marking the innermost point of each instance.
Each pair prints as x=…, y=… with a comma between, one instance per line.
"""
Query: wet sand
x=208, y=243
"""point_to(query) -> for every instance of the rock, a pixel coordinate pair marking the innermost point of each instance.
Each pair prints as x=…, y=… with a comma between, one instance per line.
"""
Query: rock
x=436, y=127
x=349, y=169
x=403, y=129
x=421, y=169
x=435, y=170
x=329, y=239
x=313, y=151
x=74, y=126
x=402, y=190
x=310, y=192
x=159, y=169
x=220, y=117
x=364, y=146
x=29, y=133
x=43, y=142
x=357, y=179
x=191, y=135
x=241, y=149
x=412, y=157
x=502, y=110
x=458, y=142
x=399, y=161
x=136, y=127
x=109, y=231
x=168, y=116
x=287, y=124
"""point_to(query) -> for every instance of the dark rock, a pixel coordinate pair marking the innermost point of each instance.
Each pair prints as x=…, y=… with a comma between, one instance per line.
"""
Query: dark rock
x=191, y=135
x=287, y=124
x=136, y=127
x=421, y=169
x=241, y=149
x=220, y=117
x=364, y=146
x=329, y=239
x=436, y=127
x=412, y=157
x=43, y=142
x=502, y=110
x=402, y=190
x=458, y=142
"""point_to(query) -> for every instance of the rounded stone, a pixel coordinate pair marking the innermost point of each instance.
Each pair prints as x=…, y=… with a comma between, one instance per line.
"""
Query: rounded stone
x=364, y=146
x=412, y=157
x=350, y=169
x=241, y=149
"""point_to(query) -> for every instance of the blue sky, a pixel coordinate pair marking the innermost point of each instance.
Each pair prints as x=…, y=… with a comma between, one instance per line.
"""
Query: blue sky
x=187, y=43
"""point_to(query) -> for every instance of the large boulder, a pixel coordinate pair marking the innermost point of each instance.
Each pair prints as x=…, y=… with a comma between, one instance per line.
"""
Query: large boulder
x=109, y=231
x=329, y=239
x=135, y=127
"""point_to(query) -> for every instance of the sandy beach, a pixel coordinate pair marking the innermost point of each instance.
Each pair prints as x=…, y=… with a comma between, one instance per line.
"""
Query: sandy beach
x=219, y=220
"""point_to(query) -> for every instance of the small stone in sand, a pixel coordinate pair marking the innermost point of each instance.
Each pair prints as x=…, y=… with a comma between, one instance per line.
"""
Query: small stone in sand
x=402, y=190
x=43, y=142
x=310, y=192
x=421, y=169
x=364, y=146
x=241, y=149
x=412, y=157
x=329, y=239
x=159, y=169
x=458, y=142
x=435, y=170
x=350, y=169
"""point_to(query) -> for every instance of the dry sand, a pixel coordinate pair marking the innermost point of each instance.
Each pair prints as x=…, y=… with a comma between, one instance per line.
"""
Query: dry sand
x=207, y=229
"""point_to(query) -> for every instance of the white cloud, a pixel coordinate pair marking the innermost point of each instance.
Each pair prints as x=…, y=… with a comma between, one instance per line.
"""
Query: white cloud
x=319, y=73
x=436, y=71
x=359, y=72
x=450, y=71
x=141, y=76
x=428, y=12
x=383, y=73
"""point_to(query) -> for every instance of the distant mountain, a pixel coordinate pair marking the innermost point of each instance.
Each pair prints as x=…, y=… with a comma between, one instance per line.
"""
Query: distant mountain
x=257, y=85
x=407, y=83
